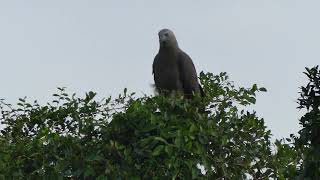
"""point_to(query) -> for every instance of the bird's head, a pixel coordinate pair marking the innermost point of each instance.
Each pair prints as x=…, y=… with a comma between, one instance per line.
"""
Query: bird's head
x=167, y=39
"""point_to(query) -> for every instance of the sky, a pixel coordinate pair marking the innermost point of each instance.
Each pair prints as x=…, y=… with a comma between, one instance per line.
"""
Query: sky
x=106, y=46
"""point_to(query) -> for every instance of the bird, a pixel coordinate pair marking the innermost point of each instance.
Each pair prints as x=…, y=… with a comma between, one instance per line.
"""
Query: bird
x=173, y=69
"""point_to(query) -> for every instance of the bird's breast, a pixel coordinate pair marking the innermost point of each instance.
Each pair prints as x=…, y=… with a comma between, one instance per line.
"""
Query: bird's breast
x=167, y=74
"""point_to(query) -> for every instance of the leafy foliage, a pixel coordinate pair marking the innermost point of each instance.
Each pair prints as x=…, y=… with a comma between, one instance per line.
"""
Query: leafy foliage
x=309, y=141
x=139, y=138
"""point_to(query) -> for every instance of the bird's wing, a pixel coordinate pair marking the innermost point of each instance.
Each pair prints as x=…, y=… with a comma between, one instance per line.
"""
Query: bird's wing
x=188, y=74
x=154, y=70
x=153, y=64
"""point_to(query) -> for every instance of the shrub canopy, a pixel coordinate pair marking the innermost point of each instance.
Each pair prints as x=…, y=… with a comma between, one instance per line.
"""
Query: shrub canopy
x=131, y=137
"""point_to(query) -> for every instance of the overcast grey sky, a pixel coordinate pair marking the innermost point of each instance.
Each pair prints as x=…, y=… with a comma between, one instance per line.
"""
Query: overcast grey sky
x=106, y=46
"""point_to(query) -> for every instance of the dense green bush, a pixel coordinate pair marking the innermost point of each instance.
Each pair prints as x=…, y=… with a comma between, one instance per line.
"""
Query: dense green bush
x=308, y=143
x=142, y=137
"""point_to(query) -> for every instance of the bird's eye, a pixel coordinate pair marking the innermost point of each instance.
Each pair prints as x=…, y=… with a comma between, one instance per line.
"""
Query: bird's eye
x=166, y=34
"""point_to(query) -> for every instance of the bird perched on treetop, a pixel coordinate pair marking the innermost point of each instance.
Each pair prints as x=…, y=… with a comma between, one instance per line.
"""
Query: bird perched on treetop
x=173, y=69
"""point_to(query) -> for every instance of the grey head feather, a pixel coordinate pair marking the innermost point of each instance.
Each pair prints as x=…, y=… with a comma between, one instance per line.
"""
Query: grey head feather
x=167, y=39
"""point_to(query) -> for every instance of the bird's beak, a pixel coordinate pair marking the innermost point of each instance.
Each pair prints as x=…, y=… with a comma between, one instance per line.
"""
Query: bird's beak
x=162, y=42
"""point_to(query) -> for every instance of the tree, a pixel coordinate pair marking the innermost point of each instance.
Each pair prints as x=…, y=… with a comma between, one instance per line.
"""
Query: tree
x=142, y=137
x=309, y=140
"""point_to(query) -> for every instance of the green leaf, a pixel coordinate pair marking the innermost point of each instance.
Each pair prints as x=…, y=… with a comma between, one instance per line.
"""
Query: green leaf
x=89, y=171
x=161, y=139
x=157, y=150
x=168, y=149
x=193, y=128
x=262, y=89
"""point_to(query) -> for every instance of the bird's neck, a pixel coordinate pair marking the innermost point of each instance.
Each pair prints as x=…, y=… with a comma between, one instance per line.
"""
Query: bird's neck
x=170, y=50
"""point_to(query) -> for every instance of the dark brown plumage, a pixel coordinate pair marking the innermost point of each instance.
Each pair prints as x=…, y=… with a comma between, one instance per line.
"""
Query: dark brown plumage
x=173, y=69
